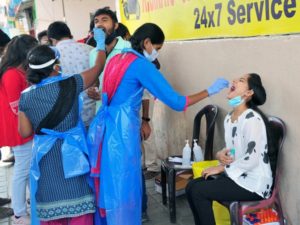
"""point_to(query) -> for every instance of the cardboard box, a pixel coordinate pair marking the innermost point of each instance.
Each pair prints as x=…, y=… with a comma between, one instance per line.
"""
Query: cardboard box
x=182, y=180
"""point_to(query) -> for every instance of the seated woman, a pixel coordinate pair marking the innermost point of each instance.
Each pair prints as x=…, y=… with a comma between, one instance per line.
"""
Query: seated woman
x=247, y=175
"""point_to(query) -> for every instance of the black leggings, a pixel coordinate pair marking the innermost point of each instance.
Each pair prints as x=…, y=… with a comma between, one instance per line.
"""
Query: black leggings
x=200, y=194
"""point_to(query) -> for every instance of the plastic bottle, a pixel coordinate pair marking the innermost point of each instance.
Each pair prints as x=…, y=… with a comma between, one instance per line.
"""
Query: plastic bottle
x=197, y=152
x=186, y=154
x=232, y=153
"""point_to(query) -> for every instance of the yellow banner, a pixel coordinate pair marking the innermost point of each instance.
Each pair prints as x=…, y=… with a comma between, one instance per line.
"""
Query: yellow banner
x=200, y=19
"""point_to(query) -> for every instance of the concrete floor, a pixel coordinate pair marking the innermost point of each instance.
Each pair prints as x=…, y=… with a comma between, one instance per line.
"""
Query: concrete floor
x=159, y=214
x=5, y=185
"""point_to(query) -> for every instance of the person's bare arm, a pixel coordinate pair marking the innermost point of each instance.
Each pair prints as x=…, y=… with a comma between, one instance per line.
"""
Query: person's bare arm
x=25, y=126
x=197, y=97
x=215, y=88
x=91, y=75
x=145, y=128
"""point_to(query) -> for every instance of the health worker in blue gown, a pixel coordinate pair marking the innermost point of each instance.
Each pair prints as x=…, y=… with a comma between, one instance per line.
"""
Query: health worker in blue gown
x=50, y=109
x=114, y=136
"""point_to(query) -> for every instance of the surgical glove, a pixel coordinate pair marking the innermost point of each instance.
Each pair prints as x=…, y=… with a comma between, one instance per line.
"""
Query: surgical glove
x=99, y=36
x=217, y=86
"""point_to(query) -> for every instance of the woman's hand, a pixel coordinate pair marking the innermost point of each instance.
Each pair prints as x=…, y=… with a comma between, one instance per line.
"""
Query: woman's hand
x=223, y=157
x=24, y=125
x=212, y=171
x=145, y=130
x=94, y=93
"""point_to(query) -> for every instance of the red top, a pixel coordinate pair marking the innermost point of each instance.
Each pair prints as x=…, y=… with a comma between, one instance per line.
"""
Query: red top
x=12, y=83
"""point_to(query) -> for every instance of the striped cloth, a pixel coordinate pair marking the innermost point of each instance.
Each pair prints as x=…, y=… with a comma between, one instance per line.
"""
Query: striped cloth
x=56, y=196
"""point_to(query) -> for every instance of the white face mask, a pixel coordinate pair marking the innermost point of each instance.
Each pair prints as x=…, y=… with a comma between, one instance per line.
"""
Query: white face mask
x=151, y=57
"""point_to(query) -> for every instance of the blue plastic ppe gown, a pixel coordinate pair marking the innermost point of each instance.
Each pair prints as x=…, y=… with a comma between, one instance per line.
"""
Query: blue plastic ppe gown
x=74, y=152
x=114, y=136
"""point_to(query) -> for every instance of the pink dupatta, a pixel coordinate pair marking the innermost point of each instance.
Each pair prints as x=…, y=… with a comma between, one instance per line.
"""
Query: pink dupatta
x=113, y=75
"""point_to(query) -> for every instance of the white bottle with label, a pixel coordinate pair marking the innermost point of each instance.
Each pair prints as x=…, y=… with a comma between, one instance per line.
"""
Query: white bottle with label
x=186, y=154
x=198, y=155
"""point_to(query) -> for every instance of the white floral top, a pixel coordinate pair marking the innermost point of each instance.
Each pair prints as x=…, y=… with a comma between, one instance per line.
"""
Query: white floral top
x=74, y=59
x=251, y=167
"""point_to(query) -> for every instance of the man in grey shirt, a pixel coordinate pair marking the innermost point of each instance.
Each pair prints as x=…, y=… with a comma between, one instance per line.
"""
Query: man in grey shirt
x=74, y=59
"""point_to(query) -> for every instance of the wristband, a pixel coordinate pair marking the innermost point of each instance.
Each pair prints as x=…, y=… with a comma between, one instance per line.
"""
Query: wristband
x=147, y=119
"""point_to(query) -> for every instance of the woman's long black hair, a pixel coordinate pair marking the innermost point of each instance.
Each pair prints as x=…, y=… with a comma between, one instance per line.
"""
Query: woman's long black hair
x=258, y=98
x=16, y=52
x=147, y=30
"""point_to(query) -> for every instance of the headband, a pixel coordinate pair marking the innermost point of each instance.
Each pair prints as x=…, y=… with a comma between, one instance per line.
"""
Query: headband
x=49, y=63
x=42, y=66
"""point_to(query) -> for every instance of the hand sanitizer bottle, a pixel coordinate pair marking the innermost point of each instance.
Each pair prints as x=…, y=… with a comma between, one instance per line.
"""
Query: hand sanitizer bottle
x=197, y=152
x=186, y=154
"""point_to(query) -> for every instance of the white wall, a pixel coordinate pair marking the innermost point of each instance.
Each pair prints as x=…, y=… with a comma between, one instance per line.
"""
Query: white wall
x=77, y=14
x=193, y=65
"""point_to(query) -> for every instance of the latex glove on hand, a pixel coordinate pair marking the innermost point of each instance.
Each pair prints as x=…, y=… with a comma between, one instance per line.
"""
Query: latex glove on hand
x=217, y=86
x=99, y=37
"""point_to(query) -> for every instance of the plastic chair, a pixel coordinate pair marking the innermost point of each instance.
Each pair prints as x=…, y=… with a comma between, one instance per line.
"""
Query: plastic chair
x=238, y=208
x=210, y=112
x=168, y=170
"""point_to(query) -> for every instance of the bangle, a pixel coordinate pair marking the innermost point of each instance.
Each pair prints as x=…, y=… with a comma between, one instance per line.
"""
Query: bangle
x=147, y=119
